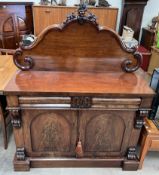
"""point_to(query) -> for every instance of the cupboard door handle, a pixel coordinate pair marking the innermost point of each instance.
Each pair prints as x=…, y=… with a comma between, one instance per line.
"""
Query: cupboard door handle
x=79, y=150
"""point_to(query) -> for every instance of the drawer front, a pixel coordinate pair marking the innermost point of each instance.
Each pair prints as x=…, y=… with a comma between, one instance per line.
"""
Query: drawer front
x=80, y=102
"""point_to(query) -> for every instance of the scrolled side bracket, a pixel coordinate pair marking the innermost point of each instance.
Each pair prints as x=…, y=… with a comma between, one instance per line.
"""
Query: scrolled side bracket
x=25, y=64
x=128, y=66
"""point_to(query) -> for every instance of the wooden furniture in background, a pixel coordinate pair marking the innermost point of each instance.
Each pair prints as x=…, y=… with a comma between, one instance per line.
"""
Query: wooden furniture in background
x=147, y=39
x=132, y=13
x=7, y=69
x=154, y=60
x=79, y=102
x=149, y=140
x=15, y=20
x=48, y=15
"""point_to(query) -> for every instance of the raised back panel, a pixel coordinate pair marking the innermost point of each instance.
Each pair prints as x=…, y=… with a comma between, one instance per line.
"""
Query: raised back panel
x=79, y=44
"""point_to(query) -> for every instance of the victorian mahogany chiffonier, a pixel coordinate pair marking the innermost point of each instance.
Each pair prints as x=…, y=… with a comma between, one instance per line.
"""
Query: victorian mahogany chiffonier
x=79, y=99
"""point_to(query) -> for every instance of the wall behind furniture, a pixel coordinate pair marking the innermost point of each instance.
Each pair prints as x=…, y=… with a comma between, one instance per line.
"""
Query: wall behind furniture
x=114, y=3
x=151, y=10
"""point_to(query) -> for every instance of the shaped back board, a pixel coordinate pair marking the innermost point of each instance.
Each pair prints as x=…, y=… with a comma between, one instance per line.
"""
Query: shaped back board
x=79, y=44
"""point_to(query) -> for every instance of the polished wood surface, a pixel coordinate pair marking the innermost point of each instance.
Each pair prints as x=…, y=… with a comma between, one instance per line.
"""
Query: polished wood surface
x=48, y=15
x=109, y=84
x=149, y=140
x=16, y=19
x=7, y=69
x=78, y=47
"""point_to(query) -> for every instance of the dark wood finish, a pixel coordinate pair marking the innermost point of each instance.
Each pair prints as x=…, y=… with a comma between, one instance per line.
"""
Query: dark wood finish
x=90, y=84
x=15, y=20
x=149, y=140
x=80, y=98
x=94, y=52
x=147, y=39
x=132, y=13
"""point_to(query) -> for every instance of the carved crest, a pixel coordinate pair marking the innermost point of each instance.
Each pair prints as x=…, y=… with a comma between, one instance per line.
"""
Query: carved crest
x=61, y=48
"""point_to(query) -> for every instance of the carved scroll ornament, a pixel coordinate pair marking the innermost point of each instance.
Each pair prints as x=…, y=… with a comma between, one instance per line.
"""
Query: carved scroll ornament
x=27, y=62
x=15, y=117
x=139, y=121
x=81, y=16
x=127, y=65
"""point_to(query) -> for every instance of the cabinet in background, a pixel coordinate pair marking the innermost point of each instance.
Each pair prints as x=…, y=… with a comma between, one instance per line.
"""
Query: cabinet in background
x=132, y=13
x=16, y=19
x=45, y=16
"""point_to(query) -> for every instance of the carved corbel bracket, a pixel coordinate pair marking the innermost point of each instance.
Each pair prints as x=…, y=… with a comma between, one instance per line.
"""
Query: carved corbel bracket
x=25, y=64
x=15, y=117
x=128, y=66
x=139, y=121
x=131, y=154
x=20, y=154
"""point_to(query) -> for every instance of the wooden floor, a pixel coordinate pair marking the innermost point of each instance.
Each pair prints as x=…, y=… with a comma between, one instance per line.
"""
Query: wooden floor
x=151, y=165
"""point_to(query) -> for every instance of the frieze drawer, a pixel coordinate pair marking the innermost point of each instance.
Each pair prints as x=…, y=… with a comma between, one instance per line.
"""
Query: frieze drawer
x=80, y=102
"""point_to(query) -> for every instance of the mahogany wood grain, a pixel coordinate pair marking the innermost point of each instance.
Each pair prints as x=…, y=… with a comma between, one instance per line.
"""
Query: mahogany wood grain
x=76, y=47
x=67, y=83
x=75, y=98
x=7, y=69
x=45, y=16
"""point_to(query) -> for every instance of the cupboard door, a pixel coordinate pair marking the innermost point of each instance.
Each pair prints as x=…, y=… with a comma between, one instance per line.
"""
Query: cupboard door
x=105, y=133
x=49, y=132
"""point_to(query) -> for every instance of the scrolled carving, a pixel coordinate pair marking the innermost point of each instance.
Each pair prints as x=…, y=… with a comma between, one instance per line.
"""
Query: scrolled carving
x=81, y=16
x=15, y=118
x=128, y=66
x=139, y=121
x=81, y=102
x=20, y=154
x=131, y=154
x=27, y=62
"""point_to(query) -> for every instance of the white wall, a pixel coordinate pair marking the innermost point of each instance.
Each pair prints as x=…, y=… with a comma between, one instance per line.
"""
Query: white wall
x=151, y=10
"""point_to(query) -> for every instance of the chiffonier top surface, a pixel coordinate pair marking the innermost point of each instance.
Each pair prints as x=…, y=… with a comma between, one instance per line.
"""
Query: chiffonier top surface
x=70, y=83
x=7, y=70
x=78, y=57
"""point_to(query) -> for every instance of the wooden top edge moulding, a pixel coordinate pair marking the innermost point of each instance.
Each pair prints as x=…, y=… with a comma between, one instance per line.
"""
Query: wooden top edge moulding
x=78, y=44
